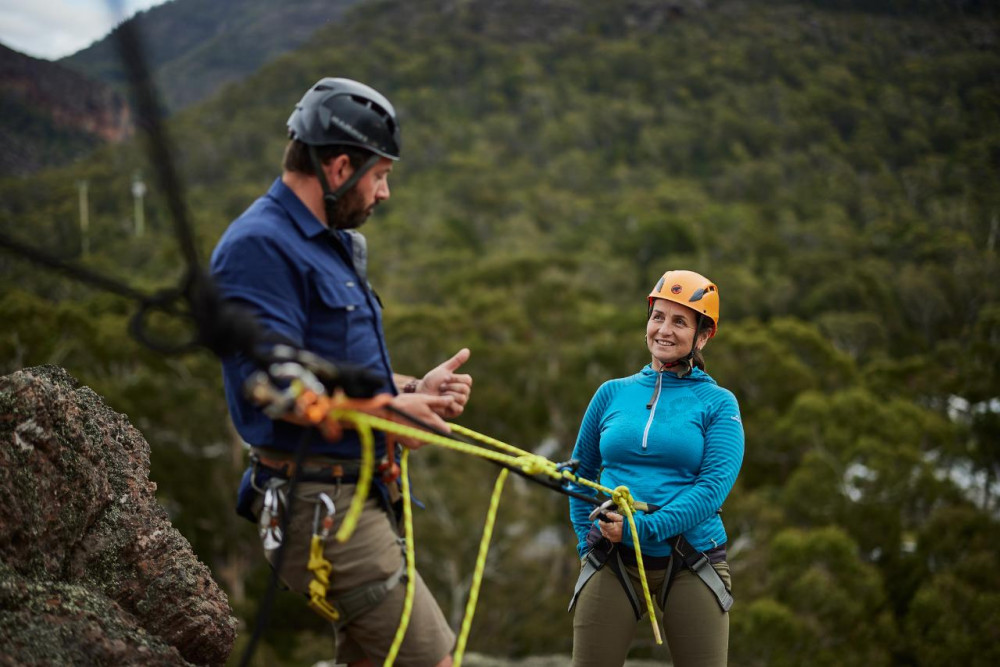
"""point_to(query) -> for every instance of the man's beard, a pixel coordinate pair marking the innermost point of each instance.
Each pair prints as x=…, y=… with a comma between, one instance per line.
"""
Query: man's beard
x=349, y=212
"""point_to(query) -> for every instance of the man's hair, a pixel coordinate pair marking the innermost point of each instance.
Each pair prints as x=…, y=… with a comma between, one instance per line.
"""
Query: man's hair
x=297, y=156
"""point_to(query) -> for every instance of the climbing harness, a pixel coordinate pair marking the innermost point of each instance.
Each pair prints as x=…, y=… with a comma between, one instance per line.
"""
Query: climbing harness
x=617, y=555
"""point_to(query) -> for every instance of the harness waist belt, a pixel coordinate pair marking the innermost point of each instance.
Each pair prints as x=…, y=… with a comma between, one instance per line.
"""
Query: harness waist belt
x=650, y=562
x=313, y=469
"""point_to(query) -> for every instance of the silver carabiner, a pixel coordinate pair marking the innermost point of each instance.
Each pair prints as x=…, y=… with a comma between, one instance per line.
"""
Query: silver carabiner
x=270, y=530
x=599, y=511
x=331, y=511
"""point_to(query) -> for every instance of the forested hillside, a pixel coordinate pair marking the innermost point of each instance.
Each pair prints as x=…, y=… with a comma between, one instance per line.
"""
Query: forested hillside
x=833, y=166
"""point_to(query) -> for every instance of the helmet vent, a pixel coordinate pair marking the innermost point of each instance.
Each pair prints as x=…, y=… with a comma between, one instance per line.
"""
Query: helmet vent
x=697, y=296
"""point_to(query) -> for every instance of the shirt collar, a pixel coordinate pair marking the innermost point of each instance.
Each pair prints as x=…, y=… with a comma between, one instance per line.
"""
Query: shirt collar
x=308, y=224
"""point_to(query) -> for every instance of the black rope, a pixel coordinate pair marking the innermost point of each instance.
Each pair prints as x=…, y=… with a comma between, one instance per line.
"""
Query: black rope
x=148, y=118
x=71, y=269
x=267, y=604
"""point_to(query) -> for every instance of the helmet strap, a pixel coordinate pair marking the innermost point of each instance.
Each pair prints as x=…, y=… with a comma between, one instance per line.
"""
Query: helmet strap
x=330, y=198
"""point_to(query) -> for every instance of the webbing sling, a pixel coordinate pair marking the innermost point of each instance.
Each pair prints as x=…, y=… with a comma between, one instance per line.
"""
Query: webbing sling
x=604, y=553
x=358, y=600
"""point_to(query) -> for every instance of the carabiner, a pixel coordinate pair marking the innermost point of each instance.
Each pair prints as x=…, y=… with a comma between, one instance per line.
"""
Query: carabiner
x=270, y=528
x=331, y=510
x=599, y=511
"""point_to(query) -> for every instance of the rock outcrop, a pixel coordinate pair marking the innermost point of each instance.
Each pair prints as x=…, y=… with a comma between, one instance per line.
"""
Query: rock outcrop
x=51, y=115
x=91, y=571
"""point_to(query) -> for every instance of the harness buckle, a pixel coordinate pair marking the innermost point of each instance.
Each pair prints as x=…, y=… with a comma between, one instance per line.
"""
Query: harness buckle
x=389, y=470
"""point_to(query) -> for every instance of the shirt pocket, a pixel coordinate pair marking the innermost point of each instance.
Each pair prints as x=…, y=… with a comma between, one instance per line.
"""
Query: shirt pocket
x=333, y=317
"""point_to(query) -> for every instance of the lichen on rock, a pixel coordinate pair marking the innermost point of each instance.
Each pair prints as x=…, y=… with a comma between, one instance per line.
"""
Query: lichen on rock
x=92, y=572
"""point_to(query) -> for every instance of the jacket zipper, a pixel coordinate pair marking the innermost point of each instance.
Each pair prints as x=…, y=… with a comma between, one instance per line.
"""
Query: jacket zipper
x=652, y=409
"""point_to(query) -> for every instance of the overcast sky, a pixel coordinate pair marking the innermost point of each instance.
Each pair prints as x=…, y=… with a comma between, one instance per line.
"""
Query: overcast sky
x=52, y=29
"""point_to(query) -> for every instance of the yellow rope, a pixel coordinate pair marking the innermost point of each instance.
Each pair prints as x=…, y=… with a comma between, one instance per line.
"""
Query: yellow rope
x=364, y=476
x=530, y=464
x=411, y=567
x=468, y=432
x=623, y=499
x=477, y=576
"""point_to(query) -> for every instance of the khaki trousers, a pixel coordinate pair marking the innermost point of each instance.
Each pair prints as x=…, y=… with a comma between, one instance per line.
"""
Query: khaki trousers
x=695, y=627
x=372, y=554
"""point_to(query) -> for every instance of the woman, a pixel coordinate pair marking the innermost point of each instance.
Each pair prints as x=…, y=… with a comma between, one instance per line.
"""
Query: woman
x=673, y=437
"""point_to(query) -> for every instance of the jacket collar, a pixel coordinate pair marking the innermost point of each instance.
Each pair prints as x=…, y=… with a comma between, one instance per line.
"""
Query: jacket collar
x=307, y=223
x=648, y=376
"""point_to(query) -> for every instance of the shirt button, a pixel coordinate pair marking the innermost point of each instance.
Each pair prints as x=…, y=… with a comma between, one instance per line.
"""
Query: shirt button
x=350, y=308
x=350, y=283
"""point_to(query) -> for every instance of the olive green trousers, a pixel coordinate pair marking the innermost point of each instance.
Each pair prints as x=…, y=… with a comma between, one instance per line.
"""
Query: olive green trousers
x=696, y=629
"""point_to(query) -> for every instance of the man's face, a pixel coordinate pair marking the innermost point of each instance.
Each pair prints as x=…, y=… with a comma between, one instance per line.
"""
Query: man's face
x=353, y=209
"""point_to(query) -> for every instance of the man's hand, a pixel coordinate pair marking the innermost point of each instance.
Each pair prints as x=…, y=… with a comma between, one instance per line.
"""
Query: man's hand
x=444, y=381
x=425, y=408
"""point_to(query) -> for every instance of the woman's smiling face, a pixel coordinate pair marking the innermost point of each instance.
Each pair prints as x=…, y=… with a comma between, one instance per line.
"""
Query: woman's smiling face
x=670, y=332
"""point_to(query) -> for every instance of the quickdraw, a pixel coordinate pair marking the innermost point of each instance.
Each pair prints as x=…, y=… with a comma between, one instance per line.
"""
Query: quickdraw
x=318, y=564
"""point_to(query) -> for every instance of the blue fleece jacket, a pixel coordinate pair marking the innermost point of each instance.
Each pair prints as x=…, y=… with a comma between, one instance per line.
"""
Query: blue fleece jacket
x=682, y=453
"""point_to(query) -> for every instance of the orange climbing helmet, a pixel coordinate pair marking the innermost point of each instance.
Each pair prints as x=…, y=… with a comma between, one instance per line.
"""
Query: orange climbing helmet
x=689, y=289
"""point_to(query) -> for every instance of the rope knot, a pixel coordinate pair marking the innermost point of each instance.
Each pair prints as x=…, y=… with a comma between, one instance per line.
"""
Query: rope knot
x=623, y=498
x=532, y=464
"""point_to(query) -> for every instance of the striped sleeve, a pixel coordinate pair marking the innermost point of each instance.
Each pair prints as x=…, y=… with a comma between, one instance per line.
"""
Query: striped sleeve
x=588, y=452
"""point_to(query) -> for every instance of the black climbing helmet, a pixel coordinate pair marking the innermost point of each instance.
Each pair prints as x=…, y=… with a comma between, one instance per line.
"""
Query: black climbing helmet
x=345, y=112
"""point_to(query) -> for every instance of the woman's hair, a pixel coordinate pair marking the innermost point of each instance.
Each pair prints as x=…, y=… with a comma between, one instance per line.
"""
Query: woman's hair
x=704, y=324
x=297, y=158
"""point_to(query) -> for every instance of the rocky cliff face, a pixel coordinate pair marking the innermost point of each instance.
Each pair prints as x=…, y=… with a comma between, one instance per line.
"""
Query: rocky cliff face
x=52, y=114
x=92, y=572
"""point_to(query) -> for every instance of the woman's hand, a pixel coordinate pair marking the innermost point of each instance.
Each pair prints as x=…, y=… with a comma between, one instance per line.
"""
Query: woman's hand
x=613, y=527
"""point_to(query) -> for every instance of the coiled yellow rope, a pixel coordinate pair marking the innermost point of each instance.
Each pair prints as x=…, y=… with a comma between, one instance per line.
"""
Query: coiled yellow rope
x=364, y=476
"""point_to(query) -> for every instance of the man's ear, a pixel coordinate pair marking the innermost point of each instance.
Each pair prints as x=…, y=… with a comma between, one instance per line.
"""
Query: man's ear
x=338, y=170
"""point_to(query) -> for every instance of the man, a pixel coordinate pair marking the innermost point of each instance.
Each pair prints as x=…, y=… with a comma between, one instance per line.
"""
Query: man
x=295, y=260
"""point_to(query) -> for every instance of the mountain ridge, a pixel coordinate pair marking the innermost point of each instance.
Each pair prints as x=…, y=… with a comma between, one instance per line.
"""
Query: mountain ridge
x=194, y=47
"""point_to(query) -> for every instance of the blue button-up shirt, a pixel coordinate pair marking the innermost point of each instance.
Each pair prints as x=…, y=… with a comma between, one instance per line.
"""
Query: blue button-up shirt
x=278, y=260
